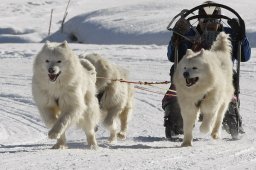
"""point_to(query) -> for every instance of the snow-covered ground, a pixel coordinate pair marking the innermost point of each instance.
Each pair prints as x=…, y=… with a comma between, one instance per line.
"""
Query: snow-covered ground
x=132, y=34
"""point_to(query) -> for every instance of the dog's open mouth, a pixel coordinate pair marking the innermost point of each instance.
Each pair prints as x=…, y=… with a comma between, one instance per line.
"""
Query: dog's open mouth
x=53, y=77
x=191, y=81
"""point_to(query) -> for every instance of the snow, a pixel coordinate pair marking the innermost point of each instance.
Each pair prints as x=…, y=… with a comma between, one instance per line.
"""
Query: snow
x=132, y=34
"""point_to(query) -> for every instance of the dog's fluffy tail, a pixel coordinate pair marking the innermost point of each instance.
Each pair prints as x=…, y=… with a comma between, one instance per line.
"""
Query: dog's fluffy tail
x=222, y=43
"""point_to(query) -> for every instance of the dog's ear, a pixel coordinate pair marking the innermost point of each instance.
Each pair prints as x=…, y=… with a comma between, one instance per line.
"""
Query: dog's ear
x=201, y=52
x=64, y=44
x=47, y=43
x=104, y=65
x=189, y=52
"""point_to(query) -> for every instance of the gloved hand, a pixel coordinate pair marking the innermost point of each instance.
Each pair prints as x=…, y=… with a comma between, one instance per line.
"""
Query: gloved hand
x=238, y=29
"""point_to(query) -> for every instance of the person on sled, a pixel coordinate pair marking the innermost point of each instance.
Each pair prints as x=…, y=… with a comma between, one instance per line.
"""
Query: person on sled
x=208, y=30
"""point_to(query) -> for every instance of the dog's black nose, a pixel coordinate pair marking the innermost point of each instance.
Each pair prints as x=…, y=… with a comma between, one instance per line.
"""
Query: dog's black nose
x=51, y=70
x=186, y=74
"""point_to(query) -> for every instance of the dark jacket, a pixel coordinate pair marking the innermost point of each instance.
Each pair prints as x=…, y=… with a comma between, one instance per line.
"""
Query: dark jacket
x=184, y=45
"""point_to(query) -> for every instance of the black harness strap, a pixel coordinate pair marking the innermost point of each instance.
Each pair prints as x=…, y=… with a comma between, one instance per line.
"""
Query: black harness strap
x=198, y=103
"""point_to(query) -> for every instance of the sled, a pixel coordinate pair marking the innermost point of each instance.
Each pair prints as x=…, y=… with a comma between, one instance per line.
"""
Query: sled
x=188, y=19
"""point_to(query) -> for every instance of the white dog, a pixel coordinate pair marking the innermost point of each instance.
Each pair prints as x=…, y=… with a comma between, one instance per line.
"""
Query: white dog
x=64, y=91
x=116, y=98
x=204, y=83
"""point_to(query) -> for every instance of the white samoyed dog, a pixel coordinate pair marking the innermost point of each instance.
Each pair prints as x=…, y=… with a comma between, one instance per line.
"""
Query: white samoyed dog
x=115, y=97
x=63, y=87
x=204, y=83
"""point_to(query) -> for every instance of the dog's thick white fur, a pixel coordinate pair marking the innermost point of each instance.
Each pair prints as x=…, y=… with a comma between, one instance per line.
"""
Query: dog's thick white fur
x=204, y=83
x=116, y=98
x=63, y=87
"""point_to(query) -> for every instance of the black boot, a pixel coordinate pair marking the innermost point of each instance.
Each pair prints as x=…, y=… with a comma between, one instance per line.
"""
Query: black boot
x=173, y=121
x=232, y=121
x=172, y=128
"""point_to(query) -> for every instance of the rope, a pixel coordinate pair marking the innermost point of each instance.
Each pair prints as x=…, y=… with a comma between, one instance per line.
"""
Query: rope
x=136, y=82
x=144, y=83
x=145, y=89
x=156, y=92
x=163, y=88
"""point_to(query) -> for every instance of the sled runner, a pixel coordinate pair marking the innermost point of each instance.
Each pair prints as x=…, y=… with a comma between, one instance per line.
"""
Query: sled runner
x=187, y=20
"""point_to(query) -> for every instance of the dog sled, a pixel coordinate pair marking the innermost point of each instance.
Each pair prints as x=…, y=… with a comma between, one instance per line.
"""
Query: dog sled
x=187, y=20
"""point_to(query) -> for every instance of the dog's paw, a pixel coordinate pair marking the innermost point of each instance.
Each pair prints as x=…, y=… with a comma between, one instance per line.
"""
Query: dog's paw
x=121, y=135
x=52, y=134
x=204, y=128
x=93, y=147
x=186, y=144
x=112, y=141
x=59, y=146
x=215, y=135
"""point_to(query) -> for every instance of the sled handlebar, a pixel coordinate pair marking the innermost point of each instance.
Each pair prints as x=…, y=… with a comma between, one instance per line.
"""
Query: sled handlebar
x=199, y=7
x=185, y=14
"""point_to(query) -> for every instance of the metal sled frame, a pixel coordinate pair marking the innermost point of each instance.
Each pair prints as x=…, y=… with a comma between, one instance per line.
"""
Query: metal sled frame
x=189, y=15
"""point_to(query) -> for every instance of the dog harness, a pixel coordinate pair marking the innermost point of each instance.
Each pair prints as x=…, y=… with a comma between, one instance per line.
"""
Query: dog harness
x=198, y=103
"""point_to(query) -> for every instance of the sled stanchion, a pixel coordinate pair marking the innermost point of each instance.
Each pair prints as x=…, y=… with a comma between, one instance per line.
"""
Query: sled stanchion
x=176, y=57
x=237, y=83
x=238, y=68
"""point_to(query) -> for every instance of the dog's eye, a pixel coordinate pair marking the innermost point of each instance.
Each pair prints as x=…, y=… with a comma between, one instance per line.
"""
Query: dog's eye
x=194, y=68
x=47, y=61
x=185, y=68
x=58, y=61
